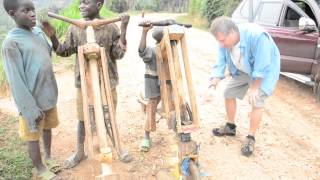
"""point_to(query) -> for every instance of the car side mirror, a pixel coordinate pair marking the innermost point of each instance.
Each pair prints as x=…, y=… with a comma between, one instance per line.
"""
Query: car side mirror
x=307, y=25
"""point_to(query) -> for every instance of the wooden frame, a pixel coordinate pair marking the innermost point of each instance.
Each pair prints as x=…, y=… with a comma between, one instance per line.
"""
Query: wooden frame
x=168, y=64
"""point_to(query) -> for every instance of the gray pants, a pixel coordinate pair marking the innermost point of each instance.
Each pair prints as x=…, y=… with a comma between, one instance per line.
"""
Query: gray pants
x=238, y=86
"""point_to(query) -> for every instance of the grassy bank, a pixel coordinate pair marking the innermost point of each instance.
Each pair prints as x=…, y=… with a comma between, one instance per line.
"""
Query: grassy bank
x=196, y=20
x=14, y=160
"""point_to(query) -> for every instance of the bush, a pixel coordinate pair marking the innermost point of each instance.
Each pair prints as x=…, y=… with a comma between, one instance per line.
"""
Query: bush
x=152, y=5
x=119, y=6
x=195, y=7
x=211, y=9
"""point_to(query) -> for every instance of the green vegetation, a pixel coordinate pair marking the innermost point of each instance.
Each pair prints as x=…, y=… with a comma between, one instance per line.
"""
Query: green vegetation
x=3, y=79
x=14, y=160
x=210, y=9
x=118, y=6
x=153, y=5
x=197, y=21
x=73, y=12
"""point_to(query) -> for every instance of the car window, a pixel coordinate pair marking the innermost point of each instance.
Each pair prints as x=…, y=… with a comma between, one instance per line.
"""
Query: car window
x=245, y=8
x=307, y=9
x=268, y=13
x=291, y=18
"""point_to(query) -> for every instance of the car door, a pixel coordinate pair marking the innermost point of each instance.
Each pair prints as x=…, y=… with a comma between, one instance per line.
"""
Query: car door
x=297, y=49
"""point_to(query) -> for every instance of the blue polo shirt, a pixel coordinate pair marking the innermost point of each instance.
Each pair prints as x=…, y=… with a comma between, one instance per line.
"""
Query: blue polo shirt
x=261, y=57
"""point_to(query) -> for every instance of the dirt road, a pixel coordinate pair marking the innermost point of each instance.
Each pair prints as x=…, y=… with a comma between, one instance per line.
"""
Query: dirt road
x=287, y=144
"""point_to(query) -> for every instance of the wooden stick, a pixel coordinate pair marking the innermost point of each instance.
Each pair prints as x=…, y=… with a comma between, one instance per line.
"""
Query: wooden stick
x=173, y=79
x=84, y=24
x=112, y=113
x=163, y=84
x=194, y=107
x=89, y=135
x=98, y=111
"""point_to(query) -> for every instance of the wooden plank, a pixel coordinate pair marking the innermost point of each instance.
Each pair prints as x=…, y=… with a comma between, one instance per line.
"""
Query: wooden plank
x=192, y=96
x=89, y=135
x=163, y=85
x=97, y=103
x=173, y=78
x=189, y=128
x=176, y=32
x=179, y=81
x=111, y=106
x=175, y=36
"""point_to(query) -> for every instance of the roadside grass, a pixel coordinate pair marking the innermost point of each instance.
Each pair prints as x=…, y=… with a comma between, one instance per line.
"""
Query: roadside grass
x=196, y=21
x=14, y=160
x=3, y=79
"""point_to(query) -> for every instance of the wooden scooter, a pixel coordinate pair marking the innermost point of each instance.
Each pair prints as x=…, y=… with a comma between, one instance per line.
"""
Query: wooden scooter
x=96, y=93
x=173, y=96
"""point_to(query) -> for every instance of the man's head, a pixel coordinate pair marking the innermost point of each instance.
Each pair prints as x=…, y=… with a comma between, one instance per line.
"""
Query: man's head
x=225, y=31
x=157, y=33
x=22, y=11
x=89, y=9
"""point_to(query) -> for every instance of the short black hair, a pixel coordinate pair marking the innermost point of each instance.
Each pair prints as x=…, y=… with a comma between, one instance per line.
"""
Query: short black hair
x=11, y=5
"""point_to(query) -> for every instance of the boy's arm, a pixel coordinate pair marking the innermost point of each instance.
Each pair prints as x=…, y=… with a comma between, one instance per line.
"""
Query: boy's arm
x=119, y=42
x=26, y=104
x=143, y=41
x=65, y=49
x=124, y=24
x=145, y=53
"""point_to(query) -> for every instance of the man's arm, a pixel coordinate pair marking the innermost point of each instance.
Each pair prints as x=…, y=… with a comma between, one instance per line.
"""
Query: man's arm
x=262, y=53
x=218, y=70
x=26, y=104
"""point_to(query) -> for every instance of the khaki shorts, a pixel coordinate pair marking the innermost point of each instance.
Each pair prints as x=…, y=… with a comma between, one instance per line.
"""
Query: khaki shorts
x=80, y=102
x=50, y=121
x=238, y=86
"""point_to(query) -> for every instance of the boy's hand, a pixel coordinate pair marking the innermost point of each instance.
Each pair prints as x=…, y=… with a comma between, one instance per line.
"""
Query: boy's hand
x=146, y=25
x=41, y=117
x=48, y=29
x=124, y=19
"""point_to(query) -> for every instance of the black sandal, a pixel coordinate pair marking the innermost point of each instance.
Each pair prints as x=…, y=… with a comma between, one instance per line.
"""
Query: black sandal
x=248, y=146
x=227, y=130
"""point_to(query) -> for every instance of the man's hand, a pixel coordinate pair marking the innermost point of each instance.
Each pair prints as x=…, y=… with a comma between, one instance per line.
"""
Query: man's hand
x=214, y=82
x=253, y=91
x=252, y=95
x=124, y=19
x=48, y=29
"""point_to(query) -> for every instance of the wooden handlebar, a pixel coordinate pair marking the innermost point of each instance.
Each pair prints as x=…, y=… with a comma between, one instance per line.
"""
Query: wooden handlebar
x=164, y=23
x=82, y=23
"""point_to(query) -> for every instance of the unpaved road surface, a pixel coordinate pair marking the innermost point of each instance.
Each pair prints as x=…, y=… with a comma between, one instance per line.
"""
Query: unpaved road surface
x=287, y=144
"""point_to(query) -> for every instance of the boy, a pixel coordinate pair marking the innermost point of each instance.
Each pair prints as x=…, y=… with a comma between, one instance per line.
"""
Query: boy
x=152, y=87
x=106, y=36
x=27, y=63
